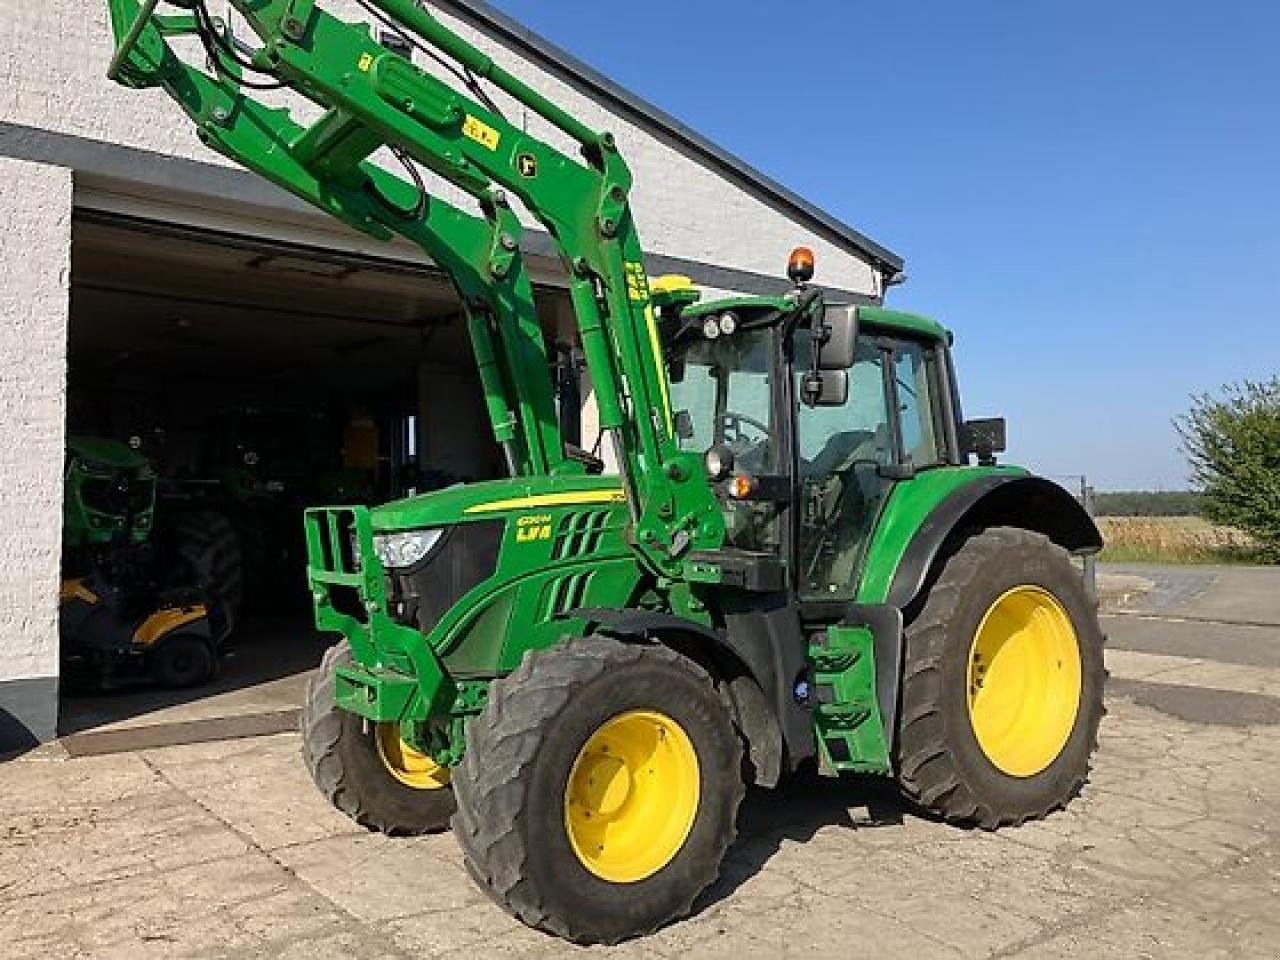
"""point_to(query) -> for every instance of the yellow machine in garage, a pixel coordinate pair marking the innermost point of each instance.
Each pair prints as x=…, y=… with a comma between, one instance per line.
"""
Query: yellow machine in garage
x=126, y=613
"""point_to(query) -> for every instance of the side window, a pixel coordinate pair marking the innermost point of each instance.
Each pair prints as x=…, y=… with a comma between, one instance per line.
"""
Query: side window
x=829, y=436
x=841, y=450
x=916, y=404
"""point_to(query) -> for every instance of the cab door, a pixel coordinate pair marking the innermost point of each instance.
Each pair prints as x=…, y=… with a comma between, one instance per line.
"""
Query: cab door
x=849, y=457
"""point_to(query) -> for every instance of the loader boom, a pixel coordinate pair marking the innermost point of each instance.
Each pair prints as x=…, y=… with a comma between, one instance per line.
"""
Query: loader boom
x=375, y=98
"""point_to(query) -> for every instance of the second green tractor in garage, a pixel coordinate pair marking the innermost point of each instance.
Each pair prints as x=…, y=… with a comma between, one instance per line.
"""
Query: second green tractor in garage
x=799, y=563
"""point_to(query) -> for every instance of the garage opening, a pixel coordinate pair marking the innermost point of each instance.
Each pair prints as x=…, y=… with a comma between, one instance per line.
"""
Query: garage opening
x=244, y=380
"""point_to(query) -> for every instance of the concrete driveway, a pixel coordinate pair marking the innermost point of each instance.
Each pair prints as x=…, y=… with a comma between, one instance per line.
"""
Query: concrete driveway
x=225, y=849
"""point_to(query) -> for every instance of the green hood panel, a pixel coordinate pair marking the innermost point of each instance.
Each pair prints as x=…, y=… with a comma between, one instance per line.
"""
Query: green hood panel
x=496, y=498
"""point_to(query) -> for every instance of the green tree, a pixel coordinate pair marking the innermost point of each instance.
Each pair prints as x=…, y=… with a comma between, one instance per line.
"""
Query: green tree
x=1233, y=443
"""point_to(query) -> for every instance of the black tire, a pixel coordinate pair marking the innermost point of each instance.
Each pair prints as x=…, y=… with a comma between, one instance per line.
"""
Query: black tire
x=341, y=752
x=183, y=661
x=941, y=765
x=209, y=547
x=512, y=784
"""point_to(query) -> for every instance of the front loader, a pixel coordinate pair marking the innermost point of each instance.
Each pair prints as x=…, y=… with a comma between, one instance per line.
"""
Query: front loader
x=799, y=563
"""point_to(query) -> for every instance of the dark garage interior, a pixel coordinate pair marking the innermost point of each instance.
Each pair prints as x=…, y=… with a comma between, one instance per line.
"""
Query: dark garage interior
x=258, y=378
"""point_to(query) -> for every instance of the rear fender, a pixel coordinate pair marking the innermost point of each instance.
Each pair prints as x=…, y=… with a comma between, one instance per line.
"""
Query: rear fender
x=1025, y=502
x=174, y=621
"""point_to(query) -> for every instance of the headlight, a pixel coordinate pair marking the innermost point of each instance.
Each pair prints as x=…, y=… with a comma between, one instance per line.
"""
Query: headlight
x=400, y=550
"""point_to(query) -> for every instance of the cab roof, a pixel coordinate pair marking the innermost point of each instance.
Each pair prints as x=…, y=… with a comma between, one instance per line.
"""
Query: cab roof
x=898, y=321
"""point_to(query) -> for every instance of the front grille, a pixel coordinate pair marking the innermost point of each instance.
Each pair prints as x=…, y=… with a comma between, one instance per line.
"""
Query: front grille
x=118, y=494
x=466, y=556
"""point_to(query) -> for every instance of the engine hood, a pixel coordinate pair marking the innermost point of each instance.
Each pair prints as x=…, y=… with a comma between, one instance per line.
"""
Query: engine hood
x=494, y=499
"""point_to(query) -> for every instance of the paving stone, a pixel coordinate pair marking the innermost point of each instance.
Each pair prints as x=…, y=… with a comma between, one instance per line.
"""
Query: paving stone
x=260, y=787
x=240, y=906
x=377, y=878
x=87, y=844
x=37, y=785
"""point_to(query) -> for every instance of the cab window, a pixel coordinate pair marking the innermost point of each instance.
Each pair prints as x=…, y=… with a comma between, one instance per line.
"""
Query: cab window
x=912, y=366
x=722, y=393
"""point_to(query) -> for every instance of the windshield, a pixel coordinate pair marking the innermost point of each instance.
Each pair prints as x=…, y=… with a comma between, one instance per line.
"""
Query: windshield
x=721, y=391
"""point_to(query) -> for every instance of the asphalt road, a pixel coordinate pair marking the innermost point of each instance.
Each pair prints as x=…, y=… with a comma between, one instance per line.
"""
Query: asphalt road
x=1209, y=620
x=1221, y=594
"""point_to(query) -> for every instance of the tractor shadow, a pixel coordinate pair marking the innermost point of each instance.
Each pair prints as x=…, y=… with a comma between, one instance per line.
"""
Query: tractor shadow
x=796, y=811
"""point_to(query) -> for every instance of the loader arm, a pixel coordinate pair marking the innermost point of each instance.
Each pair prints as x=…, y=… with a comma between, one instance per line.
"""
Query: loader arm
x=375, y=98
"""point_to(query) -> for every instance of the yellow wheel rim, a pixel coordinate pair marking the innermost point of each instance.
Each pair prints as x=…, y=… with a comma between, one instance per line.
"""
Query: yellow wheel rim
x=632, y=796
x=413, y=769
x=1024, y=681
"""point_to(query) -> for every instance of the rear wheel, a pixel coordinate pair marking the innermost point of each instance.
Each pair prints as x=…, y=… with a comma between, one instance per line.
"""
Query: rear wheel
x=209, y=547
x=365, y=769
x=1002, y=688
x=599, y=789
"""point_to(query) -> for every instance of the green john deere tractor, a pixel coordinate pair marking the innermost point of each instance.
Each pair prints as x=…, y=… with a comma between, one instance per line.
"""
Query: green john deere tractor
x=131, y=608
x=799, y=562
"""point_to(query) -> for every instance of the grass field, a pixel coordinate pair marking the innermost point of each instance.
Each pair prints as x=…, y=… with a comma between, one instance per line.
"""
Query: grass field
x=1173, y=540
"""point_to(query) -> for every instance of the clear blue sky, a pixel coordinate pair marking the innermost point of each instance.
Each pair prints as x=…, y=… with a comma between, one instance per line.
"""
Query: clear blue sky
x=1088, y=193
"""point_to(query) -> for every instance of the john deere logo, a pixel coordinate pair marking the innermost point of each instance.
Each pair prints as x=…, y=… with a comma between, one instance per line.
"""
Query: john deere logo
x=527, y=164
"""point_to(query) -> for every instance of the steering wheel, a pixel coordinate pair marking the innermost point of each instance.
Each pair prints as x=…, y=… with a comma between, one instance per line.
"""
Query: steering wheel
x=731, y=422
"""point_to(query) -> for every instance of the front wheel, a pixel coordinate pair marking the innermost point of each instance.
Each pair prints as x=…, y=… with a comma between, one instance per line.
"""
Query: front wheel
x=365, y=769
x=183, y=661
x=1002, y=684
x=599, y=789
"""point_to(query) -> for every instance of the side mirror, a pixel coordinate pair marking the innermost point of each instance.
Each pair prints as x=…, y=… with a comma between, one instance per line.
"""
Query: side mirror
x=841, y=327
x=830, y=388
x=984, y=439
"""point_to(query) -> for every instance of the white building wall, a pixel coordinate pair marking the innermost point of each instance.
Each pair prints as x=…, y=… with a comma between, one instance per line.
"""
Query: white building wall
x=35, y=267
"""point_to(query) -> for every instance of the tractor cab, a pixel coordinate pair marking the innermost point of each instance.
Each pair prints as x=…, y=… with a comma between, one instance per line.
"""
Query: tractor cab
x=804, y=445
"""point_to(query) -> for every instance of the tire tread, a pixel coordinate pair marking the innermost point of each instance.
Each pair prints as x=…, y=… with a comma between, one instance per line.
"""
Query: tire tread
x=502, y=745
x=927, y=770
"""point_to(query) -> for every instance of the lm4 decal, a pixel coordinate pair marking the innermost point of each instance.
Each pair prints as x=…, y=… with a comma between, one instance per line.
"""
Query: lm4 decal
x=533, y=528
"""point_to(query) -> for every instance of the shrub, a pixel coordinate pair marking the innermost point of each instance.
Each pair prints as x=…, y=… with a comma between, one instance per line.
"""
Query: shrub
x=1233, y=443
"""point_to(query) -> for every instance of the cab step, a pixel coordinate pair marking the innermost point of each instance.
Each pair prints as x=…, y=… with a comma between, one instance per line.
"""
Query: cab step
x=850, y=731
